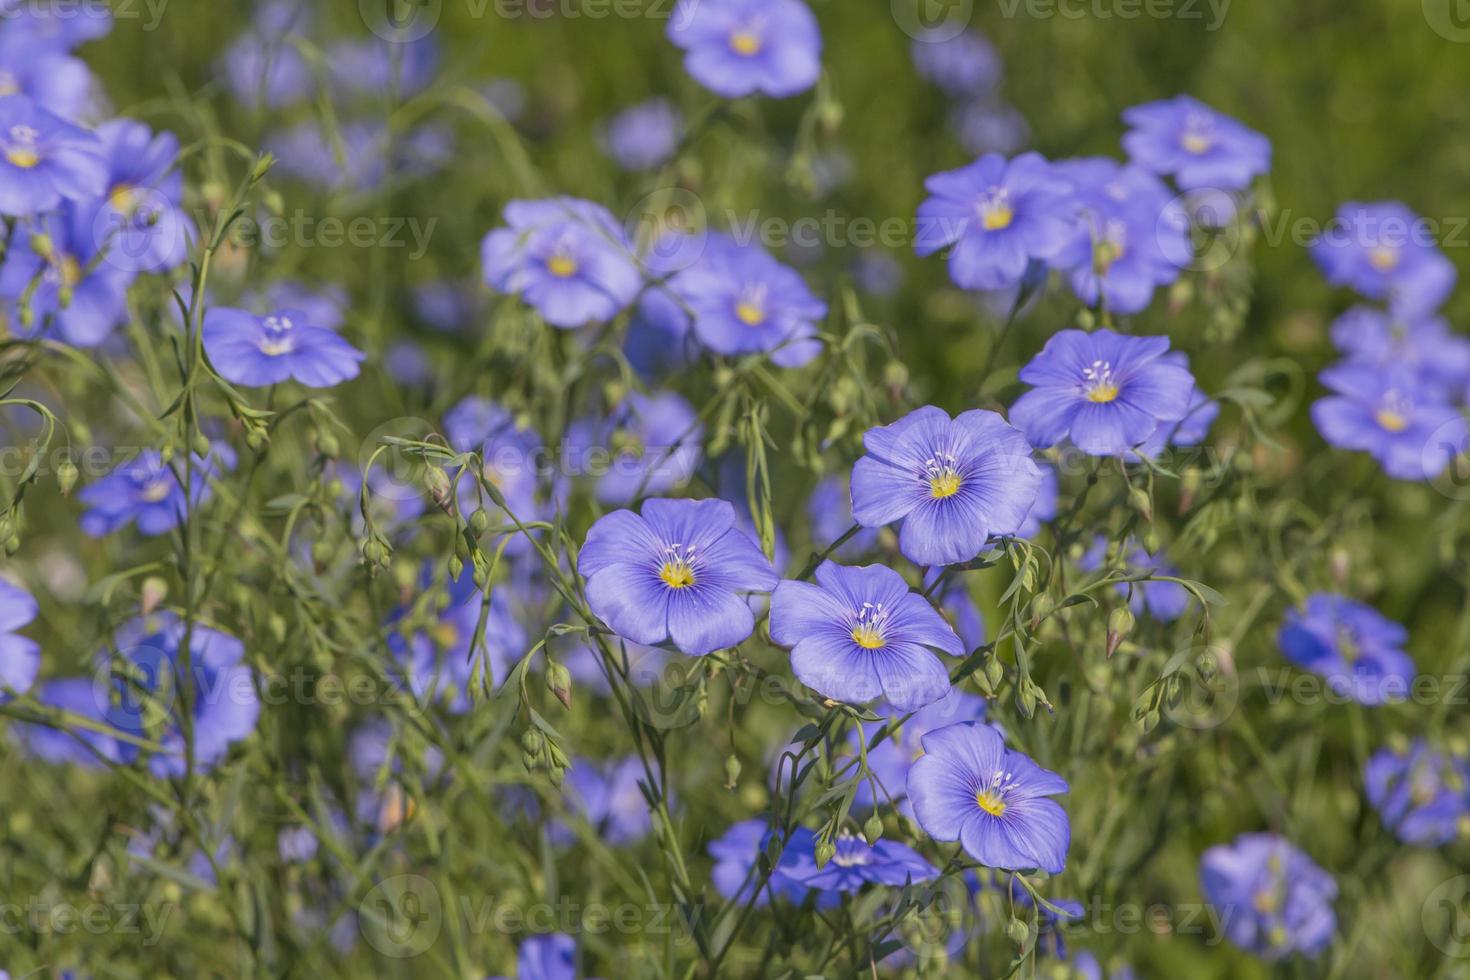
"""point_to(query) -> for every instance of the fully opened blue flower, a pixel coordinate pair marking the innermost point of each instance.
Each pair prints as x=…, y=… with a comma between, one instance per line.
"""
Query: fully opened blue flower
x=859, y=634
x=856, y=863
x=1423, y=795
x=953, y=482
x=141, y=224
x=995, y=801
x=55, y=273
x=1106, y=391
x=675, y=573
x=999, y=217
x=1356, y=648
x=1385, y=251
x=1393, y=416
x=1272, y=899
x=745, y=302
x=1200, y=147
x=567, y=258
x=1131, y=235
x=286, y=345
x=736, y=48
x=20, y=656
x=145, y=490
x=44, y=160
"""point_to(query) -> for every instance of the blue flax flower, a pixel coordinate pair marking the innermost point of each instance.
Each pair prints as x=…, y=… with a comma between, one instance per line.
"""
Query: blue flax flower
x=745, y=302
x=856, y=864
x=264, y=350
x=1272, y=899
x=995, y=801
x=1425, y=345
x=1386, y=252
x=736, y=48
x=141, y=222
x=1000, y=216
x=890, y=759
x=549, y=957
x=53, y=79
x=54, y=274
x=143, y=489
x=20, y=656
x=859, y=634
x=644, y=136
x=952, y=482
x=829, y=516
x=1393, y=416
x=648, y=445
x=675, y=573
x=45, y=160
x=737, y=852
x=1199, y=147
x=1106, y=391
x=1423, y=795
x=964, y=65
x=567, y=258
x=1357, y=649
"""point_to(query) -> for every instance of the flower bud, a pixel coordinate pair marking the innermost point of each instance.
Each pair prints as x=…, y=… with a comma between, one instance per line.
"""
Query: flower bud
x=826, y=850
x=873, y=830
x=66, y=476
x=732, y=771
x=154, y=591
x=1018, y=931
x=532, y=741
x=201, y=445
x=559, y=681
x=1120, y=624
x=1140, y=501
x=327, y=445
x=479, y=522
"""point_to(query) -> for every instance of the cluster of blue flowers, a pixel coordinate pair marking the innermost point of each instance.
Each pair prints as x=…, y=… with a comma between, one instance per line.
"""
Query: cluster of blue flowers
x=880, y=629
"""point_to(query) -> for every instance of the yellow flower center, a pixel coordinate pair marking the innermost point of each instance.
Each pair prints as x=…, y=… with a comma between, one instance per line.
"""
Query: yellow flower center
x=122, y=198
x=946, y=484
x=277, y=347
x=24, y=157
x=1265, y=901
x=445, y=635
x=996, y=217
x=990, y=801
x=1391, y=420
x=745, y=43
x=70, y=272
x=156, y=491
x=867, y=637
x=1106, y=253
x=750, y=314
x=562, y=266
x=1197, y=143
x=677, y=574
x=1103, y=393
x=1384, y=259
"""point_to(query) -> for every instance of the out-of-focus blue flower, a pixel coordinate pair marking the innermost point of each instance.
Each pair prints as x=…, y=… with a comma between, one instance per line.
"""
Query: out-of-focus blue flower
x=952, y=482
x=607, y=797
x=549, y=957
x=878, y=273
x=436, y=647
x=963, y=64
x=737, y=852
x=891, y=758
x=856, y=864
x=1131, y=236
x=999, y=216
x=49, y=76
x=1163, y=601
x=1271, y=898
x=739, y=47
x=859, y=634
x=263, y=67
x=45, y=160
x=1423, y=795
x=1352, y=645
x=984, y=127
x=1370, y=336
x=658, y=335
x=512, y=453
x=1192, y=430
x=1199, y=147
x=266, y=350
x=1044, y=508
x=445, y=306
x=649, y=445
x=1386, y=252
x=54, y=27
x=145, y=490
x=20, y=656
x=644, y=136
x=995, y=801
x=829, y=515
x=53, y=271
x=645, y=664
x=141, y=222
x=566, y=257
x=223, y=700
x=1106, y=391
x=382, y=68
x=1389, y=413
x=675, y=573
x=958, y=607
x=73, y=745
x=746, y=302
